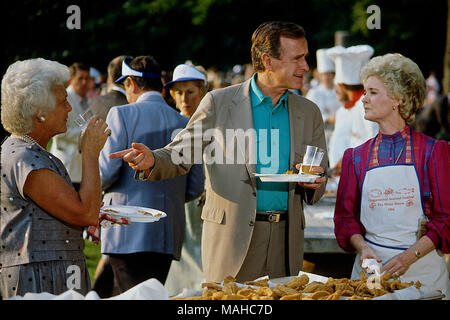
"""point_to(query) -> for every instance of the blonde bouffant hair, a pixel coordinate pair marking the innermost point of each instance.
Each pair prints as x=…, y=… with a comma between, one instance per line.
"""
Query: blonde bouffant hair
x=403, y=81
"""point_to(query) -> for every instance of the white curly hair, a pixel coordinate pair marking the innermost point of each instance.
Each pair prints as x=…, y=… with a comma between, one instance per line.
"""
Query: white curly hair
x=28, y=90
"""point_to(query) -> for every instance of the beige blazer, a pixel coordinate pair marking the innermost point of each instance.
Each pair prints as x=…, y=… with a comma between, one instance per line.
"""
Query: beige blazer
x=230, y=208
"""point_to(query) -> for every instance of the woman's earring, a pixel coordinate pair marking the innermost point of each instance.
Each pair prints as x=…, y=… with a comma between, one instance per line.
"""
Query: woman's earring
x=393, y=108
x=41, y=119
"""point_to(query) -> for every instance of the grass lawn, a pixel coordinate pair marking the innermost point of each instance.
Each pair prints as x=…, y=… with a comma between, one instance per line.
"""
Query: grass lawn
x=93, y=255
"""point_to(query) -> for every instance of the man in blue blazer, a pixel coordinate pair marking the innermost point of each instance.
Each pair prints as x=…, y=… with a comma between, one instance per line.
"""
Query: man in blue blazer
x=141, y=251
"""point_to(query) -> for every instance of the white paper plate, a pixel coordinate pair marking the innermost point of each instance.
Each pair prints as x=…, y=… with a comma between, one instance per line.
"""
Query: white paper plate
x=269, y=177
x=133, y=213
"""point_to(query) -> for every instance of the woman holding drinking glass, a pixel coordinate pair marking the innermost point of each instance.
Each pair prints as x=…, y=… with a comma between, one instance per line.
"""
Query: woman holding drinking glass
x=42, y=215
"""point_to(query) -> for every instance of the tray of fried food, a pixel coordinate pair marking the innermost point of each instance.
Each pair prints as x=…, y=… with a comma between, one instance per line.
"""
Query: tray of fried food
x=302, y=287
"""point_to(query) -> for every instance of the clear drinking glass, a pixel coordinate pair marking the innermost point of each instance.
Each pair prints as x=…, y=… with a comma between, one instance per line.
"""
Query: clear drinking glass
x=312, y=159
x=82, y=121
x=84, y=118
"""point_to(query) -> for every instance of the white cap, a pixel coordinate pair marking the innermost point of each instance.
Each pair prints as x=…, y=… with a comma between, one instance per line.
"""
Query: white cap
x=185, y=72
x=324, y=63
x=349, y=62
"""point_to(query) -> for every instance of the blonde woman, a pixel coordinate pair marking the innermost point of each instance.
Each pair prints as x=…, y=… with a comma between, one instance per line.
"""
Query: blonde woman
x=188, y=87
x=396, y=182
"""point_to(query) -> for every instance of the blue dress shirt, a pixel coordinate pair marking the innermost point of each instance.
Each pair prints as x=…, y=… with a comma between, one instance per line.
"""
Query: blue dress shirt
x=272, y=147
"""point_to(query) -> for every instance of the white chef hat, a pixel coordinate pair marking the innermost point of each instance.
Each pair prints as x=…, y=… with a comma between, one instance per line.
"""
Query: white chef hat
x=349, y=62
x=324, y=63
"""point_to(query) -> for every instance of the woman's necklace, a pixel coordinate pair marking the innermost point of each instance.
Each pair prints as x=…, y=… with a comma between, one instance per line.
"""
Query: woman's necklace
x=30, y=140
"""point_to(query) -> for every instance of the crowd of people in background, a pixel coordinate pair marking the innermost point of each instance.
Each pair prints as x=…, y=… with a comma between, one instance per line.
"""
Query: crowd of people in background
x=432, y=119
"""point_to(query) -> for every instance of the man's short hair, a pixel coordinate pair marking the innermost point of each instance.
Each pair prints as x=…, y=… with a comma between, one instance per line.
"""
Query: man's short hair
x=77, y=66
x=147, y=64
x=115, y=67
x=266, y=39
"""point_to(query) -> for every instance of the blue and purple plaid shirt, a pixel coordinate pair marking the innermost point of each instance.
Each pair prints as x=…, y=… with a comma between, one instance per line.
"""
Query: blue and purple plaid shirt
x=432, y=161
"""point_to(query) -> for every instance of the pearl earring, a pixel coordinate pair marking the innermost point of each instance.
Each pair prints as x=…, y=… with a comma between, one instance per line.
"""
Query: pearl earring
x=41, y=118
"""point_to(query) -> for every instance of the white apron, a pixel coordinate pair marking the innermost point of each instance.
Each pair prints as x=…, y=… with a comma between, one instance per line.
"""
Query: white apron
x=391, y=208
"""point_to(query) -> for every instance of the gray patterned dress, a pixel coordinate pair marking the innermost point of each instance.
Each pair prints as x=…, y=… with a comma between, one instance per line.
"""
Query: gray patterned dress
x=38, y=252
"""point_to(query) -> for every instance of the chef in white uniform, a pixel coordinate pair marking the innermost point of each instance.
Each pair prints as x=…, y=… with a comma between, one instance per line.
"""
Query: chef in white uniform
x=350, y=128
x=324, y=95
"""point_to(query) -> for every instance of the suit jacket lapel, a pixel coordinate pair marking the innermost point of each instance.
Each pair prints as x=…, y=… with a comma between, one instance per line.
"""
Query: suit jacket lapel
x=242, y=118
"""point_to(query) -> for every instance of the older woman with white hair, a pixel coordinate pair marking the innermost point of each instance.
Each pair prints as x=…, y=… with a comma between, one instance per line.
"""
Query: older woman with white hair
x=41, y=213
x=393, y=201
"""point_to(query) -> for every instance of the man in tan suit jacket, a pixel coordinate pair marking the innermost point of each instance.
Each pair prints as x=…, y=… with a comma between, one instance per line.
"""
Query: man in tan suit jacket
x=234, y=238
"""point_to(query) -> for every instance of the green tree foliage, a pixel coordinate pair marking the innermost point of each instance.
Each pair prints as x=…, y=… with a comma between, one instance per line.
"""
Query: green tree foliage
x=212, y=32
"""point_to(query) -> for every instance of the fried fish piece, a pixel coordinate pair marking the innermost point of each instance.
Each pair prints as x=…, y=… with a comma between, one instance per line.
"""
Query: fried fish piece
x=354, y=283
x=207, y=293
x=281, y=290
x=348, y=293
x=219, y=295
x=394, y=285
x=362, y=289
x=230, y=288
x=318, y=286
x=229, y=279
x=264, y=291
x=296, y=296
x=298, y=283
x=259, y=283
x=319, y=294
x=376, y=292
x=211, y=285
x=313, y=286
x=246, y=292
x=334, y=296
x=344, y=287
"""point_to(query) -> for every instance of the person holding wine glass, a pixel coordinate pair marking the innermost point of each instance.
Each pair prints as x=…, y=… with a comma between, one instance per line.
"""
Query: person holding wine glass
x=41, y=213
